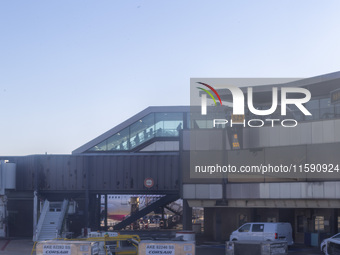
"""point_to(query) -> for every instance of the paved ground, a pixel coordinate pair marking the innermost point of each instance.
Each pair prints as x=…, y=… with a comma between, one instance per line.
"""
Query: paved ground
x=16, y=246
x=220, y=250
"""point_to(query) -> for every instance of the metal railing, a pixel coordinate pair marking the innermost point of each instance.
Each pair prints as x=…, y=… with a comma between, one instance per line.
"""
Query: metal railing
x=61, y=218
x=44, y=211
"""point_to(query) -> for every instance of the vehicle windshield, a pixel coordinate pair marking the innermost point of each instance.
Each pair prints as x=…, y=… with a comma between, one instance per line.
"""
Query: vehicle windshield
x=337, y=236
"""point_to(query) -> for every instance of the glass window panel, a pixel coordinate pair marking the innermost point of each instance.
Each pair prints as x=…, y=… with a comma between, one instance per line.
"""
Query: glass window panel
x=326, y=108
x=301, y=223
x=141, y=130
x=119, y=141
x=292, y=112
x=315, y=114
x=337, y=111
x=258, y=227
x=336, y=236
x=313, y=107
x=242, y=219
x=319, y=223
x=188, y=120
x=200, y=123
x=195, y=118
x=217, y=115
x=168, y=124
x=245, y=228
x=100, y=147
x=325, y=102
x=312, y=104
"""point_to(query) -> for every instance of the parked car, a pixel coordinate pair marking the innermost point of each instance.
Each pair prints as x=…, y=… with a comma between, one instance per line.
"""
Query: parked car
x=323, y=245
x=333, y=246
x=264, y=231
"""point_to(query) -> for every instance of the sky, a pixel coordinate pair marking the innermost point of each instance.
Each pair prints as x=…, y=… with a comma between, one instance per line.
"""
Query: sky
x=72, y=69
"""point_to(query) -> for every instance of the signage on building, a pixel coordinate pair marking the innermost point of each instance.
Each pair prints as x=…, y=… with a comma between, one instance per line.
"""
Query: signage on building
x=148, y=182
x=160, y=249
x=335, y=96
x=57, y=249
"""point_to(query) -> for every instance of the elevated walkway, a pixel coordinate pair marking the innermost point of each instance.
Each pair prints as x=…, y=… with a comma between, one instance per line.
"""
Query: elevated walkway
x=150, y=125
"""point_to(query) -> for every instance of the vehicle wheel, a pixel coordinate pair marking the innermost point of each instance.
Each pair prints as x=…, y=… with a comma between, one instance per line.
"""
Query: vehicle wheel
x=234, y=240
x=324, y=249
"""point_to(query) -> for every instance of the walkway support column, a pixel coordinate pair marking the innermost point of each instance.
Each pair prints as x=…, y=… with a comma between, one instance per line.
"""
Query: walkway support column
x=187, y=216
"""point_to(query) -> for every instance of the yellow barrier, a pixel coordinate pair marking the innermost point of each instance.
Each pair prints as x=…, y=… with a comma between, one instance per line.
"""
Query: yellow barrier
x=111, y=244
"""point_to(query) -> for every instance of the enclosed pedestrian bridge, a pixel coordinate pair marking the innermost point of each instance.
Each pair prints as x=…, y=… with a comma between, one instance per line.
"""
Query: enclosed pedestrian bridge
x=154, y=129
x=118, y=161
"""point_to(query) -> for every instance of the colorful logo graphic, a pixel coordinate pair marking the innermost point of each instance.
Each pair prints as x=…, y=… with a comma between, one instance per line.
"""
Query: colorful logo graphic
x=208, y=92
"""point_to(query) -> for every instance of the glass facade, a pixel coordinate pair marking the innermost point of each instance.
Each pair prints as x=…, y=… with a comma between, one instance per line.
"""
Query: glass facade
x=320, y=109
x=168, y=124
x=148, y=127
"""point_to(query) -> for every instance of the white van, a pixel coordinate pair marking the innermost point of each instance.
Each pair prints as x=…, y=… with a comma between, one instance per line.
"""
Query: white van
x=264, y=231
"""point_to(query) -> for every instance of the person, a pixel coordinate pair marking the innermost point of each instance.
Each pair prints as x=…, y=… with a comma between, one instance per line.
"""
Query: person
x=136, y=140
x=179, y=127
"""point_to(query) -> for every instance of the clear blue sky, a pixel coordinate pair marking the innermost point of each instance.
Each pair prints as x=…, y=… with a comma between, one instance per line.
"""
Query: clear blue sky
x=70, y=70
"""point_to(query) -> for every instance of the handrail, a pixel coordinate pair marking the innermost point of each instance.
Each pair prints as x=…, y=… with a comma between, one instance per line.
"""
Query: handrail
x=44, y=211
x=151, y=201
x=61, y=217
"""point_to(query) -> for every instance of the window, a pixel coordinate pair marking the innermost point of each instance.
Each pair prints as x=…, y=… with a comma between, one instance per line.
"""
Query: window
x=258, y=227
x=301, y=224
x=142, y=130
x=313, y=107
x=319, y=223
x=100, y=147
x=242, y=219
x=245, y=228
x=336, y=236
x=168, y=124
x=326, y=109
x=119, y=141
x=146, y=128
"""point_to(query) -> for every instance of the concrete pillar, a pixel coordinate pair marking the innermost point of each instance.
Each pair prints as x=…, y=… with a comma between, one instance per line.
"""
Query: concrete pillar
x=35, y=213
x=106, y=213
x=218, y=224
x=187, y=216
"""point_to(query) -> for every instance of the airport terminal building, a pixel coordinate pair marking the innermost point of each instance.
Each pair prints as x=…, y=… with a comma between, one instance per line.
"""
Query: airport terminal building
x=151, y=153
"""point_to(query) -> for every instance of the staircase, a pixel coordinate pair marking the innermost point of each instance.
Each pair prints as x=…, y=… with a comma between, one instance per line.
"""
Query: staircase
x=163, y=201
x=51, y=220
x=49, y=227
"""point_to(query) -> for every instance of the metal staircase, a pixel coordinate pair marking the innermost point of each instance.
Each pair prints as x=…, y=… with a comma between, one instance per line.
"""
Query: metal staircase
x=51, y=220
x=163, y=201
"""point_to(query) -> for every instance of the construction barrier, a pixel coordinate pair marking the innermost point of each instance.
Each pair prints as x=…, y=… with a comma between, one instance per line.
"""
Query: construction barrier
x=186, y=235
x=257, y=247
x=117, y=245
x=150, y=247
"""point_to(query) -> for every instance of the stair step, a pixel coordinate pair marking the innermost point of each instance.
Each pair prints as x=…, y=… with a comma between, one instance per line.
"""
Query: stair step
x=50, y=222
